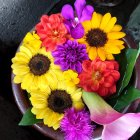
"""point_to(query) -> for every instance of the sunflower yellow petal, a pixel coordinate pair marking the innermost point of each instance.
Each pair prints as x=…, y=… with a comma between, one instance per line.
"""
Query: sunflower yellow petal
x=115, y=42
x=101, y=53
x=109, y=56
x=115, y=35
x=95, y=21
x=116, y=28
x=22, y=70
x=18, y=79
x=110, y=24
x=27, y=80
x=121, y=47
x=87, y=25
x=106, y=18
x=112, y=49
x=26, y=51
x=92, y=53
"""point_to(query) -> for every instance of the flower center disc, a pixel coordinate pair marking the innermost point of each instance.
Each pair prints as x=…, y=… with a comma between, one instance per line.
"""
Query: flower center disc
x=59, y=100
x=96, y=38
x=97, y=75
x=39, y=64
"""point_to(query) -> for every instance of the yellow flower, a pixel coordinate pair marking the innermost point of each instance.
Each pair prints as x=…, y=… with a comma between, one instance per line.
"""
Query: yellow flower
x=102, y=37
x=49, y=104
x=71, y=78
x=33, y=66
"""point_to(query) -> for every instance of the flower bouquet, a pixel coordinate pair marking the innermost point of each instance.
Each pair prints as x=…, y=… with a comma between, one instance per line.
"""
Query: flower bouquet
x=76, y=68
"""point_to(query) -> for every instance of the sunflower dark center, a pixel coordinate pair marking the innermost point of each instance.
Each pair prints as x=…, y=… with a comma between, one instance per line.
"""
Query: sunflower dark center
x=59, y=101
x=39, y=64
x=96, y=38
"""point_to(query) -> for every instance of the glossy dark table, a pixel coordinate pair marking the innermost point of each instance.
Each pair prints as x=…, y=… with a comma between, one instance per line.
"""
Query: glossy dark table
x=16, y=18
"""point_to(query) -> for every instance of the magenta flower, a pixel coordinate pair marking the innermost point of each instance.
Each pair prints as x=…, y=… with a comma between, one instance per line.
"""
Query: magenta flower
x=70, y=55
x=116, y=126
x=76, y=125
x=73, y=18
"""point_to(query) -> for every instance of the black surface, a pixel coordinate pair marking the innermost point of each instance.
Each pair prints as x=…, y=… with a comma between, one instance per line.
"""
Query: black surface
x=16, y=18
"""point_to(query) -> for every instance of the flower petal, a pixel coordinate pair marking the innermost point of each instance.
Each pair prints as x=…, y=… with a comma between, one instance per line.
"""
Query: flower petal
x=99, y=109
x=101, y=53
x=67, y=12
x=95, y=20
x=79, y=6
x=115, y=35
x=106, y=18
x=77, y=32
x=110, y=25
x=123, y=128
x=86, y=13
x=92, y=53
x=116, y=28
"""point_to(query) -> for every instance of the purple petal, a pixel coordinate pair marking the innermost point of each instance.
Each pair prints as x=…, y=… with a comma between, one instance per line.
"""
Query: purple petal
x=67, y=12
x=78, y=67
x=87, y=13
x=77, y=32
x=79, y=6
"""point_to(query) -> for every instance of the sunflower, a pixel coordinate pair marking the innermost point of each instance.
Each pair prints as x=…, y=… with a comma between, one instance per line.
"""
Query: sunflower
x=102, y=37
x=33, y=66
x=50, y=104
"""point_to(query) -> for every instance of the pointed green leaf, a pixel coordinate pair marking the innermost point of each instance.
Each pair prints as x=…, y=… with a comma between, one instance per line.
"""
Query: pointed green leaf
x=127, y=62
x=29, y=118
x=128, y=97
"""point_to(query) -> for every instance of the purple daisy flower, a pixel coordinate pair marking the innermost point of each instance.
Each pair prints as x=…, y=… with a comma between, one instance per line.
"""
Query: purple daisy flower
x=74, y=18
x=70, y=55
x=76, y=125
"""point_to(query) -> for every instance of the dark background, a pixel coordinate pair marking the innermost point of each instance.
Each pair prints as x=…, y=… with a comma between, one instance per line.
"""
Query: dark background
x=17, y=17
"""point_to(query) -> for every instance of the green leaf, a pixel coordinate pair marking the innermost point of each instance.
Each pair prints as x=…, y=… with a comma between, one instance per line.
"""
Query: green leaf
x=127, y=62
x=125, y=99
x=29, y=118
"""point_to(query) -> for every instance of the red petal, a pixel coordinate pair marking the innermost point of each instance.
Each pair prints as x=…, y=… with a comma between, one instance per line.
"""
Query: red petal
x=116, y=75
x=102, y=91
x=86, y=65
x=109, y=81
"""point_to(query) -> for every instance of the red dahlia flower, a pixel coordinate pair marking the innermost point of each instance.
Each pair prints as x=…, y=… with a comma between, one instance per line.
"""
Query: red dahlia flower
x=99, y=76
x=51, y=31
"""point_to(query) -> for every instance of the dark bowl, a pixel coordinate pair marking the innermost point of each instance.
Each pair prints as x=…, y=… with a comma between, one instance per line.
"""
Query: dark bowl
x=23, y=102
x=109, y=3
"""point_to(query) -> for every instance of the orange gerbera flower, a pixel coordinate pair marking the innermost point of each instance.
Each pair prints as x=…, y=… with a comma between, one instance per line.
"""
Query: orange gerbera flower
x=51, y=31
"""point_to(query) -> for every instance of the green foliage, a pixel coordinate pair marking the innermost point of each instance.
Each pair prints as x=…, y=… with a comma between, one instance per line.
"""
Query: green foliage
x=29, y=118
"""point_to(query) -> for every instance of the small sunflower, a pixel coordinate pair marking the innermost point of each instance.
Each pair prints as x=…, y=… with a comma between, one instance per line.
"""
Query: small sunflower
x=33, y=66
x=50, y=104
x=102, y=37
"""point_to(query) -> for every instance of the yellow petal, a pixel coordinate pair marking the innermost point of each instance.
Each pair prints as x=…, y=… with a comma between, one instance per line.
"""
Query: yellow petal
x=87, y=25
x=109, y=56
x=18, y=79
x=116, y=28
x=95, y=21
x=26, y=51
x=101, y=53
x=115, y=42
x=106, y=18
x=92, y=53
x=21, y=70
x=27, y=80
x=112, y=49
x=115, y=35
x=110, y=25
x=121, y=47
x=81, y=40
x=99, y=18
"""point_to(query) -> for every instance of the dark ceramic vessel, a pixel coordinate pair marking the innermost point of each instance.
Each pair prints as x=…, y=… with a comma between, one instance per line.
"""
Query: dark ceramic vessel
x=109, y=3
x=23, y=102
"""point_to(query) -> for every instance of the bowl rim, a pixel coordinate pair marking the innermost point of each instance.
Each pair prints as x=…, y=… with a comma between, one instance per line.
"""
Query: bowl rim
x=23, y=104
x=108, y=4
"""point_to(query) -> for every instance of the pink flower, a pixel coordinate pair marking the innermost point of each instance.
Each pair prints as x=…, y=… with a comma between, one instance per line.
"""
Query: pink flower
x=99, y=76
x=116, y=126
